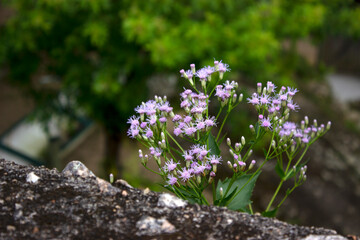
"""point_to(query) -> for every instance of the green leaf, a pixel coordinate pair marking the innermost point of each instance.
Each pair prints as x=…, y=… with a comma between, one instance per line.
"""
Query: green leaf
x=271, y=213
x=242, y=198
x=279, y=171
x=213, y=146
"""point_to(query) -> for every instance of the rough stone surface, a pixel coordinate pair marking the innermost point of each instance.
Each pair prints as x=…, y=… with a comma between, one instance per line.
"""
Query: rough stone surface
x=76, y=206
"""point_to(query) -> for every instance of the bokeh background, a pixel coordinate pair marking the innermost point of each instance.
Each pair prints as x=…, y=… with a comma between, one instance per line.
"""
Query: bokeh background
x=72, y=71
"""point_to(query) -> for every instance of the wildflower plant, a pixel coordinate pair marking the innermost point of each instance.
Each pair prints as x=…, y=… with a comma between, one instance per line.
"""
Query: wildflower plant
x=188, y=171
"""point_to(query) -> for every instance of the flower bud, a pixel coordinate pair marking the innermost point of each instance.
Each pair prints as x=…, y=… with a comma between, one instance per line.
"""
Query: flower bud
x=237, y=147
x=259, y=86
x=241, y=96
x=221, y=75
x=242, y=165
x=221, y=191
x=229, y=164
x=252, y=129
x=228, y=141
x=203, y=84
x=273, y=144
x=252, y=164
x=302, y=125
x=111, y=178
x=182, y=72
x=234, y=98
x=198, y=179
x=315, y=123
x=243, y=140
x=328, y=125
x=192, y=66
x=306, y=120
x=231, y=152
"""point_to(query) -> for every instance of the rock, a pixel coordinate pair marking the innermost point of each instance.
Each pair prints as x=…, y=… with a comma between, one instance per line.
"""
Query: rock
x=77, y=168
x=66, y=206
x=32, y=178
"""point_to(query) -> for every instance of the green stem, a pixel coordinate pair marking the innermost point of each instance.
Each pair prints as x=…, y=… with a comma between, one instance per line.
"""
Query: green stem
x=287, y=194
x=250, y=208
x=275, y=194
x=222, y=125
x=257, y=170
x=174, y=141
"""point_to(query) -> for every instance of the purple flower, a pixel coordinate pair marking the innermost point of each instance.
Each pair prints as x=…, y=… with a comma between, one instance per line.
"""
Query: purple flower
x=162, y=119
x=156, y=152
x=283, y=97
x=264, y=99
x=265, y=122
x=215, y=160
x=140, y=109
x=170, y=165
x=292, y=106
x=292, y=91
x=202, y=74
x=149, y=133
x=150, y=107
x=133, y=132
x=197, y=110
x=223, y=67
x=195, y=149
x=210, y=122
x=188, y=156
x=189, y=130
x=171, y=180
x=189, y=74
x=203, y=152
x=270, y=86
x=200, y=125
x=187, y=119
x=223, y=94
x=152, y=120
x=143, y=125
x=199, y=169
x=289, y=126
x=177, y=131
x=305, y=140
x=185, y=175
x=165, y=107
x=185, y=103
x=176, y=118
x=209, y=70
x=186, y=93
x=254, y=100
x=133, y=121
x=276, y=101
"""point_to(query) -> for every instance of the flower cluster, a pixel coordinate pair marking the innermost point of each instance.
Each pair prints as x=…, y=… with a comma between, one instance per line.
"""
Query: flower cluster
x=199, y=162
x=153, y=115
x=188, y=171
x=195, y=106
x=277, y=107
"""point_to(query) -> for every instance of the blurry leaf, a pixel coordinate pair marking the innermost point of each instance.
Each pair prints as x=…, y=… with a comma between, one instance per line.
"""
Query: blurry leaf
x=213, y=147
x=271, y=213
x=279, y=170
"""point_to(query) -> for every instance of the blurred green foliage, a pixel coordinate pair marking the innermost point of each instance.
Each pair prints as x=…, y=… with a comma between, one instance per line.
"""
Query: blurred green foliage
x=100, y=52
